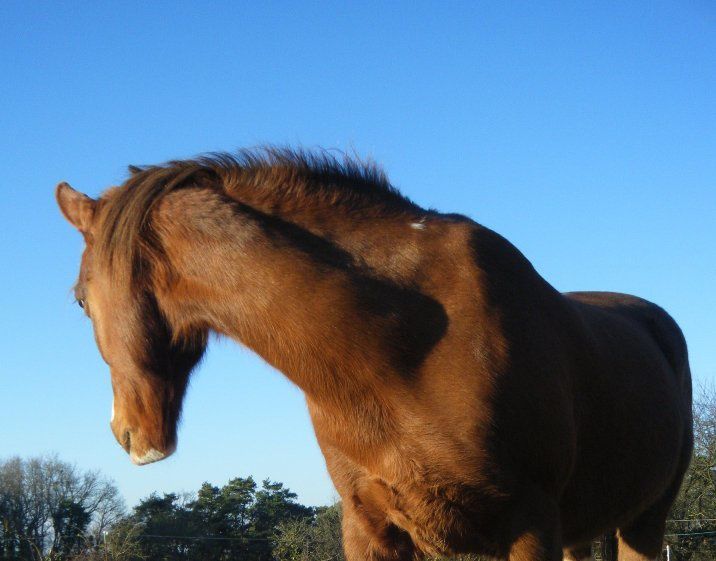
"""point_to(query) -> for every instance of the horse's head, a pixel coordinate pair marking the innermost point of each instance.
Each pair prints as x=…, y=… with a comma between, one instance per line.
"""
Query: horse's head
x=150, y=361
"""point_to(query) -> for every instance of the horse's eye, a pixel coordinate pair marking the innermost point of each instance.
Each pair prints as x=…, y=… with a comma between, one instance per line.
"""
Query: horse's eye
x=81, y=302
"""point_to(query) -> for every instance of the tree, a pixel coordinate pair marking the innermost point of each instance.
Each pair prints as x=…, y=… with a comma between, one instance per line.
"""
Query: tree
x=310, y=539
x=120, y=543
x=49, y=507
x=164, y=526
x=691, y=531
x=69, y=521
x=273, y=505
x=233, y=522
x=224, y=513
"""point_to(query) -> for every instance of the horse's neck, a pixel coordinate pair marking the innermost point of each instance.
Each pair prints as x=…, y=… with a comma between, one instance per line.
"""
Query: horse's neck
x=297, y=303
x=373, y=236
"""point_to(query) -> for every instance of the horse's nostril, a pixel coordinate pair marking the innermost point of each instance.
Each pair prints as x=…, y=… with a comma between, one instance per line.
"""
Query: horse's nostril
x=127, y=441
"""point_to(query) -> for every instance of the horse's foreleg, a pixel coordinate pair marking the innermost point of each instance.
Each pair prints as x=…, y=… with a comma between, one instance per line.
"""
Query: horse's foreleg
x=642, y=540
x=536, y=530
x=583, y=553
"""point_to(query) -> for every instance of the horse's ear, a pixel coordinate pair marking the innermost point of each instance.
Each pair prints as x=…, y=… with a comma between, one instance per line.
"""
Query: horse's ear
x=76, y=207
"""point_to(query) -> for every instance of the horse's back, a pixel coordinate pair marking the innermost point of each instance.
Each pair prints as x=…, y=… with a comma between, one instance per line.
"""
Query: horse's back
x=633, y=409
x=608, y=315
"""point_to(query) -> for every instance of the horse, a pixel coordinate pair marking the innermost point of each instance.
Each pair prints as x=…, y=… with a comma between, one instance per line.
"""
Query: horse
x=462, y=404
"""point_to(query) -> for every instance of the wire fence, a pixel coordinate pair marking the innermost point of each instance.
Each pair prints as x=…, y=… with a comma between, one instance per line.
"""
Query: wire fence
x=98, y=540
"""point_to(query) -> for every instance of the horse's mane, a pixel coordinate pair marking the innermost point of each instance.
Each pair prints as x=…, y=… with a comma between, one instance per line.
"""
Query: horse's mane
x=271, y=175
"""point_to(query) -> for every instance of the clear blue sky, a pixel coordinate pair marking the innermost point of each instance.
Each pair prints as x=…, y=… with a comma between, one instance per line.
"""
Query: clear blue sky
x=583, y=132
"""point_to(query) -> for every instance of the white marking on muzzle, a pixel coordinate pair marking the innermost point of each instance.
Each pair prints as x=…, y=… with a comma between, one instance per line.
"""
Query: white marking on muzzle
x=148, y=457
x=417, y=226
x=112, y=419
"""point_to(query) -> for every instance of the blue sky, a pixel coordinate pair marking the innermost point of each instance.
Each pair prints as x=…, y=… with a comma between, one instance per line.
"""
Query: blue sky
x=583, y=132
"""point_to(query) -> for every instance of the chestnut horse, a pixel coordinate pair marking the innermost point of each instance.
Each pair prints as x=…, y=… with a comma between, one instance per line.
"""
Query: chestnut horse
x=462, y=404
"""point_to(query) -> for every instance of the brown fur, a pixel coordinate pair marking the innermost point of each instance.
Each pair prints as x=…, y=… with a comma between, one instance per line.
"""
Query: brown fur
x=461, y=403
